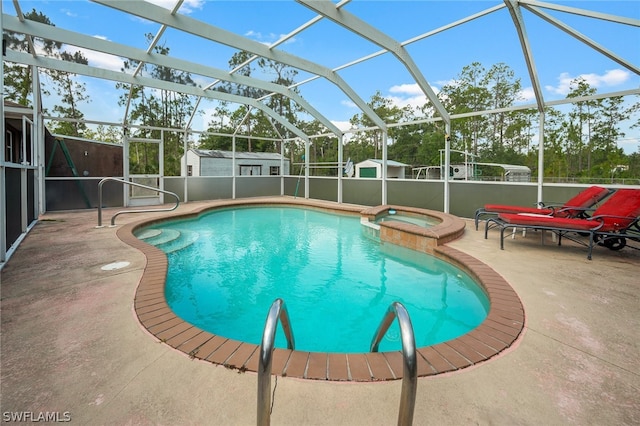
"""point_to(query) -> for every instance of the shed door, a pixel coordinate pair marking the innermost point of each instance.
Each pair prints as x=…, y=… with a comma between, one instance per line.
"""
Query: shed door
x=367, y=172
x=250, y=170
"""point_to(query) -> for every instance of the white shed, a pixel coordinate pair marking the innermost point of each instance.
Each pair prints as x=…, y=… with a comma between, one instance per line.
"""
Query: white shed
x=372, y=168
x=212, y=162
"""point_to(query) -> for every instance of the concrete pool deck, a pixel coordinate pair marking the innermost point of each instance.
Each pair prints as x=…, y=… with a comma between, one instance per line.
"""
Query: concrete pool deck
x=71, y=343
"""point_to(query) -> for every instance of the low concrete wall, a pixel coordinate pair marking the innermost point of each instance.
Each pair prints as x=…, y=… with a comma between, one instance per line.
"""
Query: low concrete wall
x=465, y=197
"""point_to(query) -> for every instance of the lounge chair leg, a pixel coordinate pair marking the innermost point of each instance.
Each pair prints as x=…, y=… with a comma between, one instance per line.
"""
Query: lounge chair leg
x=477, y=216
x=502, y=228
x=486, y=229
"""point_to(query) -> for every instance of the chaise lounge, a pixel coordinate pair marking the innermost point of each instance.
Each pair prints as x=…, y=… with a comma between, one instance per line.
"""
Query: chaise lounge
x=583, y=200
x=610, y=225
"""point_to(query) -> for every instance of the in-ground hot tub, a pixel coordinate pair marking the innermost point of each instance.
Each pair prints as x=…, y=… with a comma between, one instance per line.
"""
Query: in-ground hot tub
x=414, y=228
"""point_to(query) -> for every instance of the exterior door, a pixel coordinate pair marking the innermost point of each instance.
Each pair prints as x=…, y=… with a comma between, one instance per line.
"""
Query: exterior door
x=144, y=165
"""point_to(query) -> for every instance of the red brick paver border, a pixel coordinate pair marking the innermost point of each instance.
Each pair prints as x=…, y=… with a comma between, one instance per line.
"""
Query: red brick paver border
x=500, y=329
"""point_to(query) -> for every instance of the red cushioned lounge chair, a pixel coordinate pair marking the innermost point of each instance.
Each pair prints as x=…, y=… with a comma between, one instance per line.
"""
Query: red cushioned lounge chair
x=611, y=225
x=574, y=207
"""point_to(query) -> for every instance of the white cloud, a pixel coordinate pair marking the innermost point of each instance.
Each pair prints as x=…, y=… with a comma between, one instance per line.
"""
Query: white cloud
x=98, y=59
x=210, y=115
x=408, y=95
x=452, y=82
x=267, y=39
x=342, y=125
x=412, y=101
x=69, y=13
x=348, y=103
x=412, y=89
x=609, y=79
x=527, y=94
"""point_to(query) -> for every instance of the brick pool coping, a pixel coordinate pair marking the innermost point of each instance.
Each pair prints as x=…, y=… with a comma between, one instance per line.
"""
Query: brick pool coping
x=499, y=330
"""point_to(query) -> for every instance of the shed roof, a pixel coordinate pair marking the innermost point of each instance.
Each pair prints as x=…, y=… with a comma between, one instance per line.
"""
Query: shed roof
x=390, y=163
x=216, y=153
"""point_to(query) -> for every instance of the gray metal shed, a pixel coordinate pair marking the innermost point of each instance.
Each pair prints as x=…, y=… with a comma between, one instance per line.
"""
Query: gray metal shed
x=213, y=162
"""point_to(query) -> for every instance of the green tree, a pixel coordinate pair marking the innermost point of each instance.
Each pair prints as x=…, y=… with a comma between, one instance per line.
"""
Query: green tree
x=581, y=118
x=468, y=93
x=368, y=143
x=606, y=157
x=18, y=80
x=243, y=115
x=158, y=109
x=281, y=104
x=103, y=133
x=555, y=130
x=508, y=132
x=323, y=149
x=71, y=93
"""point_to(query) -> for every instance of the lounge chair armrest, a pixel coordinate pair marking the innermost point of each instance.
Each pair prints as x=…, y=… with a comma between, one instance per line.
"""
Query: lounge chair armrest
x=631, y=221
x=611, y=216
x=582, y=210
x=548, y=204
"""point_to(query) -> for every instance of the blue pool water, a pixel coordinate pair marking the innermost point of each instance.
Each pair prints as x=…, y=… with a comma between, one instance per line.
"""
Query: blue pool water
x=337, y=283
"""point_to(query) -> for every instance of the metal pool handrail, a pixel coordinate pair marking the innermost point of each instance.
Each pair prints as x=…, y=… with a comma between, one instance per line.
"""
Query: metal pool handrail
x=277, y=311
x=410, y=368
x=125, y=182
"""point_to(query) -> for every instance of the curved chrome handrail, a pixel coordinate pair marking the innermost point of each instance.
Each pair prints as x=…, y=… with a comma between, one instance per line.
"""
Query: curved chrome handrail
x=277, y=311
x=410, y=367
x=125, y=182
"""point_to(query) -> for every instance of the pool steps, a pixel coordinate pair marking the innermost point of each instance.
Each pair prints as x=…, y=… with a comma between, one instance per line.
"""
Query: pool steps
x=169, y=240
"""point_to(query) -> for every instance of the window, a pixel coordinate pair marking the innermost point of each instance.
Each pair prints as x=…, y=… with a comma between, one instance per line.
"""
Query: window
x=250, y=170
x=8, y=153
x=274, y=170
x=190, y=170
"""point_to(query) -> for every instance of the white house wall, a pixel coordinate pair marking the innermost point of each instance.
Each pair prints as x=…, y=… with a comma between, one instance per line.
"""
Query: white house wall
x=193, y=160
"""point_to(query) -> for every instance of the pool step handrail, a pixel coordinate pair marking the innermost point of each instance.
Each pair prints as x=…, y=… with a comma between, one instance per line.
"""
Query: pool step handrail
x=126, y=182
x=410, y=367
x=278, y=311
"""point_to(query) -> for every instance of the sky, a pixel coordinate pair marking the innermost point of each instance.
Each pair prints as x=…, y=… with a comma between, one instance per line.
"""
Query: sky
x=490, y=39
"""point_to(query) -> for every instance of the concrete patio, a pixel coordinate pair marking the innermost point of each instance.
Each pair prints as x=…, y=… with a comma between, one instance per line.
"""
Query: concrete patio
x=72, y=345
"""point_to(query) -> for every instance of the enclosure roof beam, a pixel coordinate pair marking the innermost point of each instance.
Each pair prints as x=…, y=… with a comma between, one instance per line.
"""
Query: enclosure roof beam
x=584, y=39
x=198, y=28
x=363, y=29
x=518, y=22
x=33, y=28
x=582, y=12
x=140, y=66
x=81, y=69
x=278, y=42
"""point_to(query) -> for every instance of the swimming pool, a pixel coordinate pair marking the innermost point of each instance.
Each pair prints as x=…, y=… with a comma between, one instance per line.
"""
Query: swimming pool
x=500, y=330
x=337, y=283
